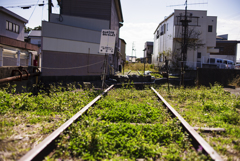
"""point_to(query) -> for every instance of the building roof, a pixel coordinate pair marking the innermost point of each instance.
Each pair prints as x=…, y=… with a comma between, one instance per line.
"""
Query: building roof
x=122, y=40
x=228, y=41
x=149, y=43
x=17, y=43
x=119, y=10
x=165, y=19
x=35, y=33
x=10, y=13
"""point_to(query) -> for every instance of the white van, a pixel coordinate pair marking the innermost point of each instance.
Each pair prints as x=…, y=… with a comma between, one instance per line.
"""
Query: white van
x=217, y=61
x=229, y=64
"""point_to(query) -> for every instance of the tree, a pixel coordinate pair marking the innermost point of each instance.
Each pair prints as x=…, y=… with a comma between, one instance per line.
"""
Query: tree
x=193, y=41
x=27, y=29
x=37, y=28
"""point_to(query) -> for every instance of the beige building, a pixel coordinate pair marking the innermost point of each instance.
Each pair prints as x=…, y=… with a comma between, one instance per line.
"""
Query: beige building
x=170, y=30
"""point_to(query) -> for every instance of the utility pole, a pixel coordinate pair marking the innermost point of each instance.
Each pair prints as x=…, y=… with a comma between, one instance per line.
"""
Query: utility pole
x=185, y=22
x=49, y=9
x=133, y=49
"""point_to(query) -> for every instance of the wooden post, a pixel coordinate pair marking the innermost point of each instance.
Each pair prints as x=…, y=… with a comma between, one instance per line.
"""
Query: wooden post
x=1, y=57
x=104, y=70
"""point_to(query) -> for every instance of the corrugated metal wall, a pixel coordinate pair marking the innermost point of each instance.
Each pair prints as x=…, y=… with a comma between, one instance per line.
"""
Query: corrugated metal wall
x=86, y=64
x=82, y=22
x=99, y=9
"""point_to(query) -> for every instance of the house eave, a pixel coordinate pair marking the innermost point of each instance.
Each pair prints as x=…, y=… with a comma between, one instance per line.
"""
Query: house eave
x=119, y=10
x=6, y=11
x=163, y=22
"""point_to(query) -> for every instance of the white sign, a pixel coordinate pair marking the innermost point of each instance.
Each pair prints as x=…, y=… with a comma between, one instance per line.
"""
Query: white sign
x=107, y=43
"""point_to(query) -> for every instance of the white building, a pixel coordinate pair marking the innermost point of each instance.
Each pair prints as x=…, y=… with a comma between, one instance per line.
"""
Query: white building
x=169, y=32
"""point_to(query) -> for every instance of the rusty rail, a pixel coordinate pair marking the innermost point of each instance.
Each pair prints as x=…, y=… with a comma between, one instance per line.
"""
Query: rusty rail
x=197, y=139
x=48, y=144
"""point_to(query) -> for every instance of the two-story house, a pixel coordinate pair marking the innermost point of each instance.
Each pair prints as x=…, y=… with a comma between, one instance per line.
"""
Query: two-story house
x=148, y=51
x=169, y=34
x=71, y=39
x=227, y=48
x=13, y=50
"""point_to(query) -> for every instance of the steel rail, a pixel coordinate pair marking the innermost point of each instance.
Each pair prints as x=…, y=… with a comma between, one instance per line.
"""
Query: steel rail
x=45, y=147
x=197, y=138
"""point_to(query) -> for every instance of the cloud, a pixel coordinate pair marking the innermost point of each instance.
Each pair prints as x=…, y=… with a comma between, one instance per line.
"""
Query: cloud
x=230, y=27
x=138, y=33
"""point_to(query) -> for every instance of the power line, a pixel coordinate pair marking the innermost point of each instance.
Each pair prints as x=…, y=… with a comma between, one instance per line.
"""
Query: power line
x=33, y=11
x=74, y=67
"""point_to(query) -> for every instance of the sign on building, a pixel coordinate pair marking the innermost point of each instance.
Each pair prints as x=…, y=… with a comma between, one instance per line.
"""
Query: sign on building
x=107, y=43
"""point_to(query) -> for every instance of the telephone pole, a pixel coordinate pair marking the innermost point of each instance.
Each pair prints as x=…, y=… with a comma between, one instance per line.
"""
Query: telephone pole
x=184, y=22
x=49, y=9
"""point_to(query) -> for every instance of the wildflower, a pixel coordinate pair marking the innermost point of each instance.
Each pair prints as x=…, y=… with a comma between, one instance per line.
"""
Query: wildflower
x=199, y=149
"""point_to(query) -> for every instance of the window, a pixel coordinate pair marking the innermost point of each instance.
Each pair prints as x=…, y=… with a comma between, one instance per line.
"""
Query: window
x=167, y=26
x=17, y=29
x=209, y=28
x=12, y=27
x=199, y=55
x=7, y=25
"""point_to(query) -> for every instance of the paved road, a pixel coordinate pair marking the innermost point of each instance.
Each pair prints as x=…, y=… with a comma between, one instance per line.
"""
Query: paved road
x=233, y=91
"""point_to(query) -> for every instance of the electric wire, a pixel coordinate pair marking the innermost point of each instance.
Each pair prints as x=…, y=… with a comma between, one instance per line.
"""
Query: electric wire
x=33, y=11
x=22, y=63
x=73, y=67
x=42, y=11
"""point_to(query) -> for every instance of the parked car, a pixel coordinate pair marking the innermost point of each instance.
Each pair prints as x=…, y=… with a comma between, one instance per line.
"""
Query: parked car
x=217, y=61
x=237, y=66
x=229, y=64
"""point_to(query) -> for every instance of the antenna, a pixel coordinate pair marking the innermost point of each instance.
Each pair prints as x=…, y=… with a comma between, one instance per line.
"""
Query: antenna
x=188, y=4
x=133, y=49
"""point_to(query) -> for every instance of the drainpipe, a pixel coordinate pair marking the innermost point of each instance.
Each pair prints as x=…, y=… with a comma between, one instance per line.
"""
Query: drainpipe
x=18, y=58
x=1, y=57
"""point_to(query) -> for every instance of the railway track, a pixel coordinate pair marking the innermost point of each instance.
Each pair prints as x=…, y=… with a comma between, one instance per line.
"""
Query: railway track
x=49, y=144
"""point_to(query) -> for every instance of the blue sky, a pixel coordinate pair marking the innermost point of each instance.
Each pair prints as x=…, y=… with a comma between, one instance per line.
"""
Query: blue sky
x=141, y=17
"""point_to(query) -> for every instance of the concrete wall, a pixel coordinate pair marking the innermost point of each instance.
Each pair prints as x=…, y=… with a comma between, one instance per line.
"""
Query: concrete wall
x=81, y=22
x=4, y=32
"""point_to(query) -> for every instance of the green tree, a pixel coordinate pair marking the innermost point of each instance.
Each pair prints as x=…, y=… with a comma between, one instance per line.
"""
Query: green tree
x=37, y=28
x=27, y=29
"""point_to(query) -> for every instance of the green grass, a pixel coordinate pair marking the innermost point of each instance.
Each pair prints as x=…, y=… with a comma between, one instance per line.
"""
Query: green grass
x=210, y=107
x=126, y=124
x=26, y=119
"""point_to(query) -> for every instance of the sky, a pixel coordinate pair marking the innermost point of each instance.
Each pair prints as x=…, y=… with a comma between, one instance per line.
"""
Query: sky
x=141, y=17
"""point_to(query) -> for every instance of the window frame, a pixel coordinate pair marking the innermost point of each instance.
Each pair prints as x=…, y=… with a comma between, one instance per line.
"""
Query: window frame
x=199, y=55
x=12, y=27
x=210, y=28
